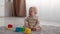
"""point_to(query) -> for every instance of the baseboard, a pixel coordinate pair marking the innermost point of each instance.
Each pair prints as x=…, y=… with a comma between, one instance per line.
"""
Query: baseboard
x=1, y=16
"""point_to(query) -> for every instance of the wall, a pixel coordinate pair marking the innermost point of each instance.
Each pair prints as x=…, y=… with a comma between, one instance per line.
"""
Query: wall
x=2, y=7
x=8, y=8
x=48, y=10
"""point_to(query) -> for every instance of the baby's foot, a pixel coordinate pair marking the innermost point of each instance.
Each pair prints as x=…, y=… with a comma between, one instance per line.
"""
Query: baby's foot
x=38, y=28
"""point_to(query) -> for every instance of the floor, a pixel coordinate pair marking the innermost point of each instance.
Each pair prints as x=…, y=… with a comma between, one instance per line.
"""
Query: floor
x=44, y=30
x=48, y=27
x=20, y=22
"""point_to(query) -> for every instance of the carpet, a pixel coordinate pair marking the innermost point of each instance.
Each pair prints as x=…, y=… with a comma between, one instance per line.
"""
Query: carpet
x=45, y=30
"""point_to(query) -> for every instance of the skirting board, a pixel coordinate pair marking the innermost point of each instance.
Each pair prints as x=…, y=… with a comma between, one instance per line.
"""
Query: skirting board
x=1, y=16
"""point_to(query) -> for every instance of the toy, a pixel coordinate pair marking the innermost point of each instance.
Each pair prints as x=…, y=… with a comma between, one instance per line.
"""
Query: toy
x=27, y=31
x=22, y=29
x=19, y=29
x=10, y=26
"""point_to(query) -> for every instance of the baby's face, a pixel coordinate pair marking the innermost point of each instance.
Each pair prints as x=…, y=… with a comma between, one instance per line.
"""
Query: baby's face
x=33, y=12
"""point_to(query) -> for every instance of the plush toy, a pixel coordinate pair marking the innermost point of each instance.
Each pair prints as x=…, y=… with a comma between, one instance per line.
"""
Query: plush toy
x=27, y=31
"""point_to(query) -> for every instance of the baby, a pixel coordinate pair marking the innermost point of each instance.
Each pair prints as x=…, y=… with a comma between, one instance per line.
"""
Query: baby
x=32, y=21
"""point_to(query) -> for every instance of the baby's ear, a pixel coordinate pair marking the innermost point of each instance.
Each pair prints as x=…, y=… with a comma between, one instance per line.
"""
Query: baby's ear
x=9, y=0
x=35, y=12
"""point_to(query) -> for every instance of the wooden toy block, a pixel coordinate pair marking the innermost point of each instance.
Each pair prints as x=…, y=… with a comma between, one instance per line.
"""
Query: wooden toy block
x=27, y=31
x=10, y=26
x=17, y=29
x=20, y=29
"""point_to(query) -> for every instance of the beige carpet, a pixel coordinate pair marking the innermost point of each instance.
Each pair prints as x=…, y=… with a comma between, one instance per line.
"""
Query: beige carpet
x=44, y=30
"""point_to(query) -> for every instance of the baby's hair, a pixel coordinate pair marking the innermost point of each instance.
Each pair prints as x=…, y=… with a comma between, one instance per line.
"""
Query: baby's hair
x=30, y=10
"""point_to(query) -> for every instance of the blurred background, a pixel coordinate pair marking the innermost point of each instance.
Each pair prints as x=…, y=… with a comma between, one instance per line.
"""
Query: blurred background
x=48, y=12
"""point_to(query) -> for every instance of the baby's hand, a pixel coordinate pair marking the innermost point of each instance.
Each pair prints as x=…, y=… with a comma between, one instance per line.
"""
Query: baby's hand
x=33, y=29
x=38, y=28
x=26, y=25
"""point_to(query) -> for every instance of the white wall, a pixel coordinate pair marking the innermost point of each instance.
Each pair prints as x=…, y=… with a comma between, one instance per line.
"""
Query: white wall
x=8, y=8
x=30, y=3
x=2, y=7
x=48, y=9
